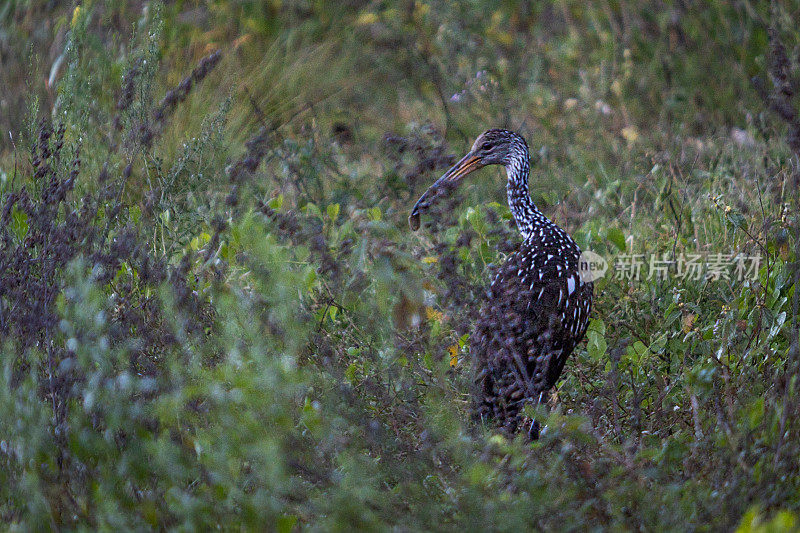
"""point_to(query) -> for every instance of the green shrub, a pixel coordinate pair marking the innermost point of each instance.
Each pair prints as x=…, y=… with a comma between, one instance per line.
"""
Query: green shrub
x=213, y=314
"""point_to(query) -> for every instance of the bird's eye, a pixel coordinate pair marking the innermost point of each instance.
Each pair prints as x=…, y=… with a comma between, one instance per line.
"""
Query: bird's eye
x=486, y=146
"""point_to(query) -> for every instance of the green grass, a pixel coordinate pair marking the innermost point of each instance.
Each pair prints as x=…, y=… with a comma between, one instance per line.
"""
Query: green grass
x=225, y=321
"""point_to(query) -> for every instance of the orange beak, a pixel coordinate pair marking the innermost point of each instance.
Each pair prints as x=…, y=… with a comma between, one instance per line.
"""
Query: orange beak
x=468, y=164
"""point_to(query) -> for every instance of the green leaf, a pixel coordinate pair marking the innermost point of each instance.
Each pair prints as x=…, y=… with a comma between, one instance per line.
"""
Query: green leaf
x=637, y=351
x=311, y=279
x=276, y=203
x=475, y=219
x=333, y=211
x=135, y=214
x=350, y=373
x=332, y=312
x=755, y=412
x=671, y=317
x=596, y=342
x=201, y=240
x=777, y=324
x=312, y=209
x=597, y=324
x=286, y=523
x=658, y=344
x=19, y=223
x=616, y=236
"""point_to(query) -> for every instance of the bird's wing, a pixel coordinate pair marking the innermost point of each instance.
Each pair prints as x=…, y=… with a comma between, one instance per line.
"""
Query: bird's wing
x=536, y=310
x=547, y=305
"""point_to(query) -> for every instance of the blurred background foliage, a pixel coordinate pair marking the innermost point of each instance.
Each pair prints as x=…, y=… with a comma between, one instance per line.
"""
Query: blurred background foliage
x=213, y=313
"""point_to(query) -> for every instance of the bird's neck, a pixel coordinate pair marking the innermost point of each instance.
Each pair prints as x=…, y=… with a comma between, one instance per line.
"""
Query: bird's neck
x=525, y=212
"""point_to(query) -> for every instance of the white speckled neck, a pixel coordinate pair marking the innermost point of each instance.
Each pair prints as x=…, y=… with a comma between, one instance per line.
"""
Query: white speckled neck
x=528, y=217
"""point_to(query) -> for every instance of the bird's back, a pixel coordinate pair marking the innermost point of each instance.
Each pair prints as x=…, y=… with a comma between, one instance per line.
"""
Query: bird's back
x=536, y=311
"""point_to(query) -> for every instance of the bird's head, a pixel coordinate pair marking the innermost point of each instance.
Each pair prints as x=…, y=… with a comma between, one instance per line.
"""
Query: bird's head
x=492, y=147
x=498, y=147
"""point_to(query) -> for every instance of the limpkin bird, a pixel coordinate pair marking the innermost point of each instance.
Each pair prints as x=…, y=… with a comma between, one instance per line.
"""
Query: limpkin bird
x=538, y=305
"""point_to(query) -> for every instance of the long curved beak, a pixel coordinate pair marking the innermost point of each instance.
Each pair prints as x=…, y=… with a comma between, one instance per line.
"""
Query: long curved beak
x=469, y=163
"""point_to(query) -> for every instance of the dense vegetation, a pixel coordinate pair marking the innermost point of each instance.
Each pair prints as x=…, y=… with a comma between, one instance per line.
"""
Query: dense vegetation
x=213, y=313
